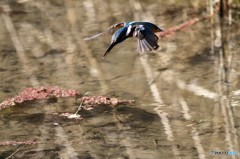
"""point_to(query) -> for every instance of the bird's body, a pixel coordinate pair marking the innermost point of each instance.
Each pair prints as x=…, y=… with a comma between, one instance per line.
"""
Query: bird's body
x=144, y=31
x=151, y=26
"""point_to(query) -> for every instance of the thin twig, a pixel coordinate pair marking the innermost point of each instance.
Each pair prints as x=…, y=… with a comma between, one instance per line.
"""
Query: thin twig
x=80, y=106
x=13, y=153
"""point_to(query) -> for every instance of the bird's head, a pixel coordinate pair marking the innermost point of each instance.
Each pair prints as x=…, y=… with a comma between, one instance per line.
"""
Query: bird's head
x=119, y=36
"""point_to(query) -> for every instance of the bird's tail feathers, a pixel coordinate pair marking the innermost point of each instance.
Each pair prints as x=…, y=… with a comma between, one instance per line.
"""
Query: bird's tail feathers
x=147, y=44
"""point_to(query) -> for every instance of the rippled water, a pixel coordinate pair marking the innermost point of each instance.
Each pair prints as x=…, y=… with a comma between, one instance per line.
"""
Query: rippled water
x=187, y=92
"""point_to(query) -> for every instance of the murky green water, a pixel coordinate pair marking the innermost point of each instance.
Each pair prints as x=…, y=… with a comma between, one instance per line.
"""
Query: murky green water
x=187, y=92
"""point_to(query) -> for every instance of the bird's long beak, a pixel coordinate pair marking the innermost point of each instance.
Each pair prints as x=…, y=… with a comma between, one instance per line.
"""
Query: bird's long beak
x=109, y=49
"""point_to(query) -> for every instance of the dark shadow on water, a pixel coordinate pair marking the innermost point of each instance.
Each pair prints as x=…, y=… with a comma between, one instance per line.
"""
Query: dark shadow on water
x=137, y=115
x=204, y=56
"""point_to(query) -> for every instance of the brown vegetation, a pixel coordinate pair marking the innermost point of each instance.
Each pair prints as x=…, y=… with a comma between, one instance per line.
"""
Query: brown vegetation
x=37, y=93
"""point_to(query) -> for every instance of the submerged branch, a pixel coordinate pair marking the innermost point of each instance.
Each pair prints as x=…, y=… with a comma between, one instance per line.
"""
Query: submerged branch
x=182, y=26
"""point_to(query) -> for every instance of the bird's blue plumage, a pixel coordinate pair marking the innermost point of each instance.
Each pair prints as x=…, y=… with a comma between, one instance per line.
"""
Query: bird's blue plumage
x=144, y=31
x=120, y=35
x=151, y=26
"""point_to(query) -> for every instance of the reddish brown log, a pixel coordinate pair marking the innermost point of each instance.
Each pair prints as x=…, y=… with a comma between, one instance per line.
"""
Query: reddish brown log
x=89, y=102
x=180, y=27
x=38, y=93
x=15, y=143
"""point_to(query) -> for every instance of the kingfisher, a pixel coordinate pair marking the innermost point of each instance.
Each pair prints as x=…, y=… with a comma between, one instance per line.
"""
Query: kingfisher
x=145, y=32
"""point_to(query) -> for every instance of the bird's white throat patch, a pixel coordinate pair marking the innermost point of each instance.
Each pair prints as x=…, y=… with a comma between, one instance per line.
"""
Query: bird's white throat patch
x=129, y=30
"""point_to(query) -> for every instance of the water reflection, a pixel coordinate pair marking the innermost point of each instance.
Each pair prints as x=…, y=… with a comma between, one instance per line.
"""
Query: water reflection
x=187, y=91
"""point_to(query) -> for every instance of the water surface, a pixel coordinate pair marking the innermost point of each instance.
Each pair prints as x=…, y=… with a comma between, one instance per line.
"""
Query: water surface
x=187, y=93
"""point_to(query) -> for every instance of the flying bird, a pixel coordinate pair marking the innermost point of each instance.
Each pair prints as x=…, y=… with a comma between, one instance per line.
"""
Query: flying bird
x=143, y=31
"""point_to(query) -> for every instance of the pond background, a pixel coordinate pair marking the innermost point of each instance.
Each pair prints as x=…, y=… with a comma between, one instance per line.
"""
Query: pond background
x=187, y=92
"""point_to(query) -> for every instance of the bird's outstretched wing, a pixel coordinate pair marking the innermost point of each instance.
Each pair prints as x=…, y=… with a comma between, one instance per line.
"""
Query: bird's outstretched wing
x=110, y=30
x=147, y=40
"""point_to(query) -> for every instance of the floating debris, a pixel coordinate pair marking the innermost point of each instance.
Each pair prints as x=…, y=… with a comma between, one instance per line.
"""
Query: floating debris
x=15, y=143
x=89, y=102
x=38, y=93
x=92, y=102
x=68, y=115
